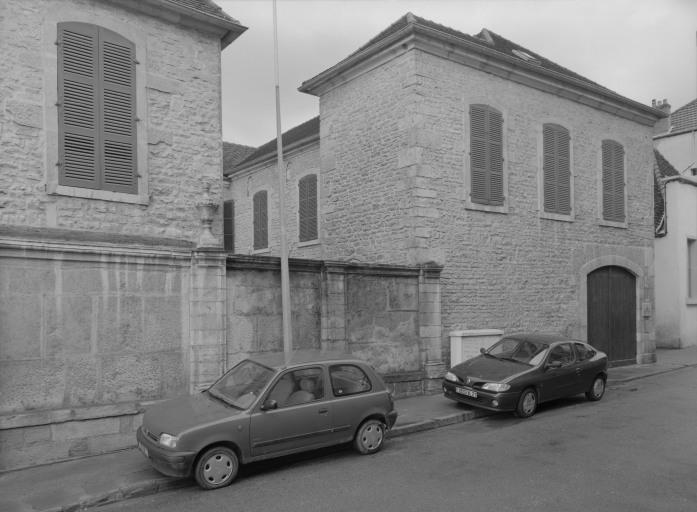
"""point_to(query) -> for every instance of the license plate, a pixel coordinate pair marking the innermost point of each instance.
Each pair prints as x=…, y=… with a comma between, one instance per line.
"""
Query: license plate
x=143, y=449
x=466, y=392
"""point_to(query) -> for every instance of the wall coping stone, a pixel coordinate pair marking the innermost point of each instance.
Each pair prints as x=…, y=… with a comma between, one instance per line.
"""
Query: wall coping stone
x=476, y=332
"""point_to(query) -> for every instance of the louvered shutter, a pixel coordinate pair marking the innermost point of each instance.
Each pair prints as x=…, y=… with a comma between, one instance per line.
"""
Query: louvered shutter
x=229, y=226
x=486, y=155
x=78, y=98
x=117, y=80
x=613, y=181
x=261, y=239
x=307, y=208
x=556, y=169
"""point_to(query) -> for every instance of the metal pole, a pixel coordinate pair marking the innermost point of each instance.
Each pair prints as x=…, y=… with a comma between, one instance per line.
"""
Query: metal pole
x=285, y=278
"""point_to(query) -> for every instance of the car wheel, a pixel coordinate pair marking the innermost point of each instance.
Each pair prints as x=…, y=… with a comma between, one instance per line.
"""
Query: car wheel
x=527, y=404
x=597, y=390
x=369, y=436
x=216, y=468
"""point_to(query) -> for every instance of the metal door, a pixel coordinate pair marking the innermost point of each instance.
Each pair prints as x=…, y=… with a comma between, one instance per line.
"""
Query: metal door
x=612, y=313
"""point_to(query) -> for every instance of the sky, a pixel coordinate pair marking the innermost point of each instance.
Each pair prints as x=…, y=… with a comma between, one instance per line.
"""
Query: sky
x=641, y=49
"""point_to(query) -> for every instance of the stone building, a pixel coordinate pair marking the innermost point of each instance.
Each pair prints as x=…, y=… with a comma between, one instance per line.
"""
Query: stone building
x=528, y=186
x=110, y=149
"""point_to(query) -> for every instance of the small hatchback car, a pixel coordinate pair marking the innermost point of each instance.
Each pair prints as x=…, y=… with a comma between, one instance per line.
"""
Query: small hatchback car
x=268, y=407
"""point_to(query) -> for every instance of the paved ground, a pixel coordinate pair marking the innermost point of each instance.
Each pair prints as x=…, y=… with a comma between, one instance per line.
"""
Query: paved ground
x=73, y=485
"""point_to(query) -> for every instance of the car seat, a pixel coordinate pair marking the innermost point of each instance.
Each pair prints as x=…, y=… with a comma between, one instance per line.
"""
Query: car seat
x=306, y=393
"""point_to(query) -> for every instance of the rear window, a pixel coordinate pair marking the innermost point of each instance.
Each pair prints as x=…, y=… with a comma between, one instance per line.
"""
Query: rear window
x=348, y=379
x=583, y=352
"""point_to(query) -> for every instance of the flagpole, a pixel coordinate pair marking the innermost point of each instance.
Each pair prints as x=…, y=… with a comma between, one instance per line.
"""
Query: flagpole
x=285, y=278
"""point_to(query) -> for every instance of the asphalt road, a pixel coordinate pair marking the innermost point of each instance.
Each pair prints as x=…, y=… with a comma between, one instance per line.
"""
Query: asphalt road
x=634, y=451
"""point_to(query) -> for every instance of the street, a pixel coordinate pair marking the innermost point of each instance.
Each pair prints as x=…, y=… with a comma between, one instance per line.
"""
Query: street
x=633, y=451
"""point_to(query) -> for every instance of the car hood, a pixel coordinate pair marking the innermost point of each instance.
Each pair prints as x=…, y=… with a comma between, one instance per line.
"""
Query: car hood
x=489, y=369
x=176, y=415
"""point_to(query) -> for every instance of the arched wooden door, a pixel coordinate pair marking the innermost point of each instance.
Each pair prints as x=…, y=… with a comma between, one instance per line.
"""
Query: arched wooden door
x=612, y=313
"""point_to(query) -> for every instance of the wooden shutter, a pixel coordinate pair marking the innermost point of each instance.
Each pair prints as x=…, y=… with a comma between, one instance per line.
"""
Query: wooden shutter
x=229, y=226
x=307, y=208
x=486, y=155
x=117, y=80
x=261, y=238
x=556, y=169
x=613, y=181
x=96, y=108
x=78, y=98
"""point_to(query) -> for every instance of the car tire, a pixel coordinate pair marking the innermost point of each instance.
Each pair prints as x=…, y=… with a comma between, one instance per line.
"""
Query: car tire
x=369, y=437
x=216, y=468
x=527, y=403
x=597, y=389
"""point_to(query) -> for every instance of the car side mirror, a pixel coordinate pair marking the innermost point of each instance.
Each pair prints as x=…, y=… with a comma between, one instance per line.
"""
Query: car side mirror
x=269, y=405
x=554, y=364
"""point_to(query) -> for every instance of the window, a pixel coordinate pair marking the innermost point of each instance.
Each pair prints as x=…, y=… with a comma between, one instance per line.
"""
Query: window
x=583, y=352
x=486, y=155
x=229, y=226
x=298, y=387
x=562, y=353
x=692, y=268
x=261, y=221
x=348, y=379
x=307, y=208
x=556, y=169
x=96, y=109
x=613, y=181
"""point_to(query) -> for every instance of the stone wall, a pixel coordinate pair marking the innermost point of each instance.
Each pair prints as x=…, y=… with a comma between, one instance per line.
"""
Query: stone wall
x=90, y=332
x=179, y=128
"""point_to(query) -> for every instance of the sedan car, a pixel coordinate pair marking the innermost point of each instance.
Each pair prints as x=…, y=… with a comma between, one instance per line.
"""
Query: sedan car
x=264, y=408
x=521, y=371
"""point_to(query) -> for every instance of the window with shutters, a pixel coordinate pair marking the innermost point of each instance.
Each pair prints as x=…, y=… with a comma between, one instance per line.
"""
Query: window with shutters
x=486, y=156
x=261, y=220
x=96, y=109
x=613, y=200
x=556, y=171
x=307, y=208
x=229, y=226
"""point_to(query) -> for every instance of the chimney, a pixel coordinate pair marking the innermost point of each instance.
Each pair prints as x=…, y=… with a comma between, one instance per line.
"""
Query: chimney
x=663, y=125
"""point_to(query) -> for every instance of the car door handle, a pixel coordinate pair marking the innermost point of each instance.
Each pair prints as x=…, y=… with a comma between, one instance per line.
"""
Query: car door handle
x=323, y=411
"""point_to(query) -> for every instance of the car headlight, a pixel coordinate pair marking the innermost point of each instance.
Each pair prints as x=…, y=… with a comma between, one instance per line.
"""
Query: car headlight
x=451, y=377
x=168, y=440
x=496, y=386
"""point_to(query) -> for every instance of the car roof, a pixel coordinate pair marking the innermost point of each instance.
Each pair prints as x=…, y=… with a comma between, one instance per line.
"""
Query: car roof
x=282, y=360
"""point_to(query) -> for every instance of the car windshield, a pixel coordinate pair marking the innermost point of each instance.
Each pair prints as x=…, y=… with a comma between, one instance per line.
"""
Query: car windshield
x=242, y=384
x=522, y=351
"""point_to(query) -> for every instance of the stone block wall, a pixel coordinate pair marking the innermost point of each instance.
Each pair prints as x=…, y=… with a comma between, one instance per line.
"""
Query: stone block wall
x=90, y=332
x=179, y=128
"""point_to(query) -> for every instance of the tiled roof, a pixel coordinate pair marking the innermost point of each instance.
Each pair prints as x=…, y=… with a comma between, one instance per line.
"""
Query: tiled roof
x=207, y=7
x=307, y=130
x=233, y=154
x=662, y=169
x=684, y=118
x=485, y=39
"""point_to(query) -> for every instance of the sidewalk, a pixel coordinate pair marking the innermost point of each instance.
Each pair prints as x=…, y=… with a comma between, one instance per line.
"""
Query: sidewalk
x=78, y=484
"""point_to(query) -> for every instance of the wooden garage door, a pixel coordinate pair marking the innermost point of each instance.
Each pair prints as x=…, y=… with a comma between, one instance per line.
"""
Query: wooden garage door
x=612, y=313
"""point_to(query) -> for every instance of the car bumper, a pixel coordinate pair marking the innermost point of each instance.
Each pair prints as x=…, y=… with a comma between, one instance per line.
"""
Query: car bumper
x=485, y=400
x=166, y=461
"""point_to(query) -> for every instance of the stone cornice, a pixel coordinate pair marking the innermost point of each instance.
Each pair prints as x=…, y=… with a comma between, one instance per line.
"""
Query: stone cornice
x=415, y=36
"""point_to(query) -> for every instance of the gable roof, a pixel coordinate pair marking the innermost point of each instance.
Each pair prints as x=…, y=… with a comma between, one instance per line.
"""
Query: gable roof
x=233, y=154
x=297, y=136
x=661, y=169
x=685, y=118
x=490, y=53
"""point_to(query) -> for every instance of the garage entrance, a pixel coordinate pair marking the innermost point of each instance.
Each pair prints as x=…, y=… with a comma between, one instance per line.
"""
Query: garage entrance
x=612, y=313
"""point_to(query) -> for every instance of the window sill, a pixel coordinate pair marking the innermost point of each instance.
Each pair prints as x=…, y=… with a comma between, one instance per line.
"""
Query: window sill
x=557, y=216
x=308, y=243
x=612, y=224
x=469, y=205
x=261, y=251
x=103, y=195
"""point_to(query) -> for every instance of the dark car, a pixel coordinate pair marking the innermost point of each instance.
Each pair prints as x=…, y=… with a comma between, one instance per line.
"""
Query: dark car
x=521, y=371
x=264, y=408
